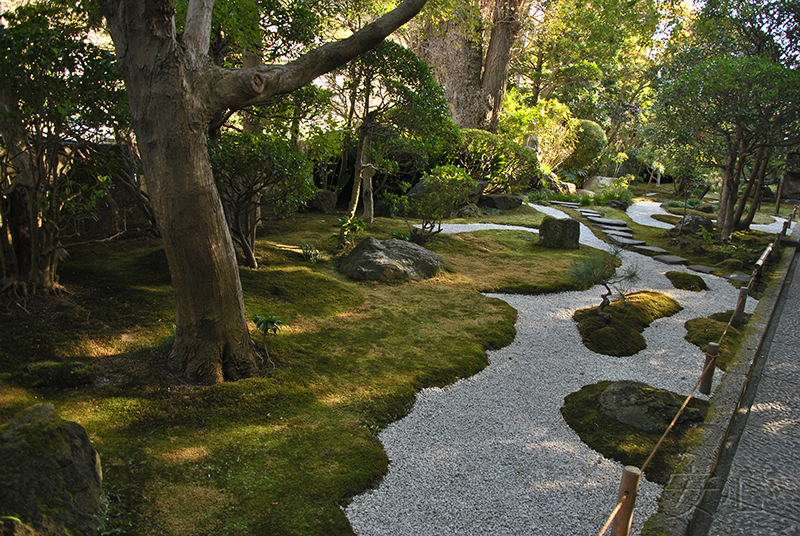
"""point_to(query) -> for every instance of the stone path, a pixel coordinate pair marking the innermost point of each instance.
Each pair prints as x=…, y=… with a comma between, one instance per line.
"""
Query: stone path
x=759, y=469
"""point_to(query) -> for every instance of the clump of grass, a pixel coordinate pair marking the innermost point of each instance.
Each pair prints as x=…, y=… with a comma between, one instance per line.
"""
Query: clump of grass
x=701, y=331
x=622, y=334
x=685, y=281
x=624, y=443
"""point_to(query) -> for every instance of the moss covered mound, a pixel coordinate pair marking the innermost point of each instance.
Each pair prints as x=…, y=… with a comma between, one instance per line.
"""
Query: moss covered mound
x=685, y=281
x=622, y=335
x=701, y=331
x=622, y=442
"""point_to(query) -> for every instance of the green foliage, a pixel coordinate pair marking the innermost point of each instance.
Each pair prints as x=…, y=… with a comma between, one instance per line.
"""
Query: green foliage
x=556, y=130
x=267, y=323
x=507, y=166
x=310, y=253
x=350, y=227
x=258, y=176
x=590, y=143
x=438, y=194
x=58, y=90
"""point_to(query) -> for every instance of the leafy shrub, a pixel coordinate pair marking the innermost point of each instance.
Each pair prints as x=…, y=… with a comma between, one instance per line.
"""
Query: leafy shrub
x=589, y=145
x=507, y=166
x=444, y=189
x=258, y=175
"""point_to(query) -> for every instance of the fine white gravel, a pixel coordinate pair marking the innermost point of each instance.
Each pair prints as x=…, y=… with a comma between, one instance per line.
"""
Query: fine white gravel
x=491, y=454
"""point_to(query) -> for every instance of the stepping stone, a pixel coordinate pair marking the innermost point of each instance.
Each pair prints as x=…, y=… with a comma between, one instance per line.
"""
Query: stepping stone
x=740, y=277
x=594, y=213
x=607, y=221
x=618, y=230
x=700, y=268
x=671, y=259
x=625, y=241
x=567, y=204
x=651, y=250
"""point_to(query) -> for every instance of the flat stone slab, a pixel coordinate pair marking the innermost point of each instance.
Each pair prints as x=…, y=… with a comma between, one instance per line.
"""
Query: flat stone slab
x=618, y=230
x=567, y=204
x=607, y=221
x=651, y=250
x=740, y=277
x=671, y=259
x=625, y=241
x=594, y=213
x=700, y=268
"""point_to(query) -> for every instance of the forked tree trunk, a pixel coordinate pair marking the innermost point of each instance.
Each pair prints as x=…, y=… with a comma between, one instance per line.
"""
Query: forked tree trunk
x=474, y=82
x=174, y=91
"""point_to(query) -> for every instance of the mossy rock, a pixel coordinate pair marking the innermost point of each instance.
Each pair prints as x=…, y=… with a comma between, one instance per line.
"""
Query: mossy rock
x=622, y=442
x=622, y=335
x=58, y=375
x=685, y=281
x=646, y=408
x=701, y=331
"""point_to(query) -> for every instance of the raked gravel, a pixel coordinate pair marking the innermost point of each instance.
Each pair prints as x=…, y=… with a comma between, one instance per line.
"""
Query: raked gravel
x=491, y=454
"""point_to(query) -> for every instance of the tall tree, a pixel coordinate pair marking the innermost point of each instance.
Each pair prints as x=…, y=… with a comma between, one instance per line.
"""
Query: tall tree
x=175, y=90
x=731, y=91
x=469, y=49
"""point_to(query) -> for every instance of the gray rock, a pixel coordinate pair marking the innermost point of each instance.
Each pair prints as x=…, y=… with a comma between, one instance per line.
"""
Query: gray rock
x=559, y=234
x=501, y=201
x=469, y=211
x=324, y=201
x=50, y=474
x=645, y=408
x=707, y=208
x=554, y=183
x=584, y=192
x=730, y=264
x=597, y=184
x=693, y=223
x=374, y=260
x=618, y=204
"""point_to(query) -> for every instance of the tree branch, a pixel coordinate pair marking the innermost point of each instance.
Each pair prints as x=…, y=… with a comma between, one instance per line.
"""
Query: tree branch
x=197, y=32
x=237, y=88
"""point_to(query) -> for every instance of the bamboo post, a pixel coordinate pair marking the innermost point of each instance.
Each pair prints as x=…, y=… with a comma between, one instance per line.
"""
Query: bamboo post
x=627, y=494
x=739, y=312
x=708, y=371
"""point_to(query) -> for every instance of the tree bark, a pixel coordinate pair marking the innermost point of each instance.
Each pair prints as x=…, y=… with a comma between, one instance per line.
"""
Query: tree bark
x=475, y=84
x=174, y=91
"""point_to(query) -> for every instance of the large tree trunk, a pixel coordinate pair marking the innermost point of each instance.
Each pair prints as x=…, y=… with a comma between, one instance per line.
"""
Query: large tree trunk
x=174, y=91
x=475, y=85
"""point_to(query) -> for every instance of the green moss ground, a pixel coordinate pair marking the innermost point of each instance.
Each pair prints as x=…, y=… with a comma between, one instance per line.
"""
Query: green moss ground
x=622, y=442
x=622, y=336
x=701, y=331
x=685, y=281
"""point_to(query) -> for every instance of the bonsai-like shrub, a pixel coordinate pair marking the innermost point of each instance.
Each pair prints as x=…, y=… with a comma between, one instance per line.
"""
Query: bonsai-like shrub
x=443, y=190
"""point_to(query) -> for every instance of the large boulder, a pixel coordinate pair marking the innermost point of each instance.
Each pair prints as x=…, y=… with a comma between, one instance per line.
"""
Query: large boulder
x=501, y=201
x=693, y=222
x=596, y=184
x=50, y=477
x=556, y=185
x=646, y=408
x=469, y=211
x=374, y=260
x=559, y=234
x=324, y=201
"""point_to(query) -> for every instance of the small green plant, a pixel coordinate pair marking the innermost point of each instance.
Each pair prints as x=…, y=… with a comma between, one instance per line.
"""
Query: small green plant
x=400, y=235
x=310, y=253
x=350, y=228
x=267, y=324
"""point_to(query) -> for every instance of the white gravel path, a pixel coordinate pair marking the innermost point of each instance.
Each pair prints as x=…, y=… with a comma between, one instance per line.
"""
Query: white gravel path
x=491, y=454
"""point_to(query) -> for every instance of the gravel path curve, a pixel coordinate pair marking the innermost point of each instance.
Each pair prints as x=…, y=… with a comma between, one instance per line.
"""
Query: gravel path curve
x=491, y=454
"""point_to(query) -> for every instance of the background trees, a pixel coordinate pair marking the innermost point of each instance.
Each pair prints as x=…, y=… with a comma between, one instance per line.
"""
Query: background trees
x=729, y=92
x=59, y=94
